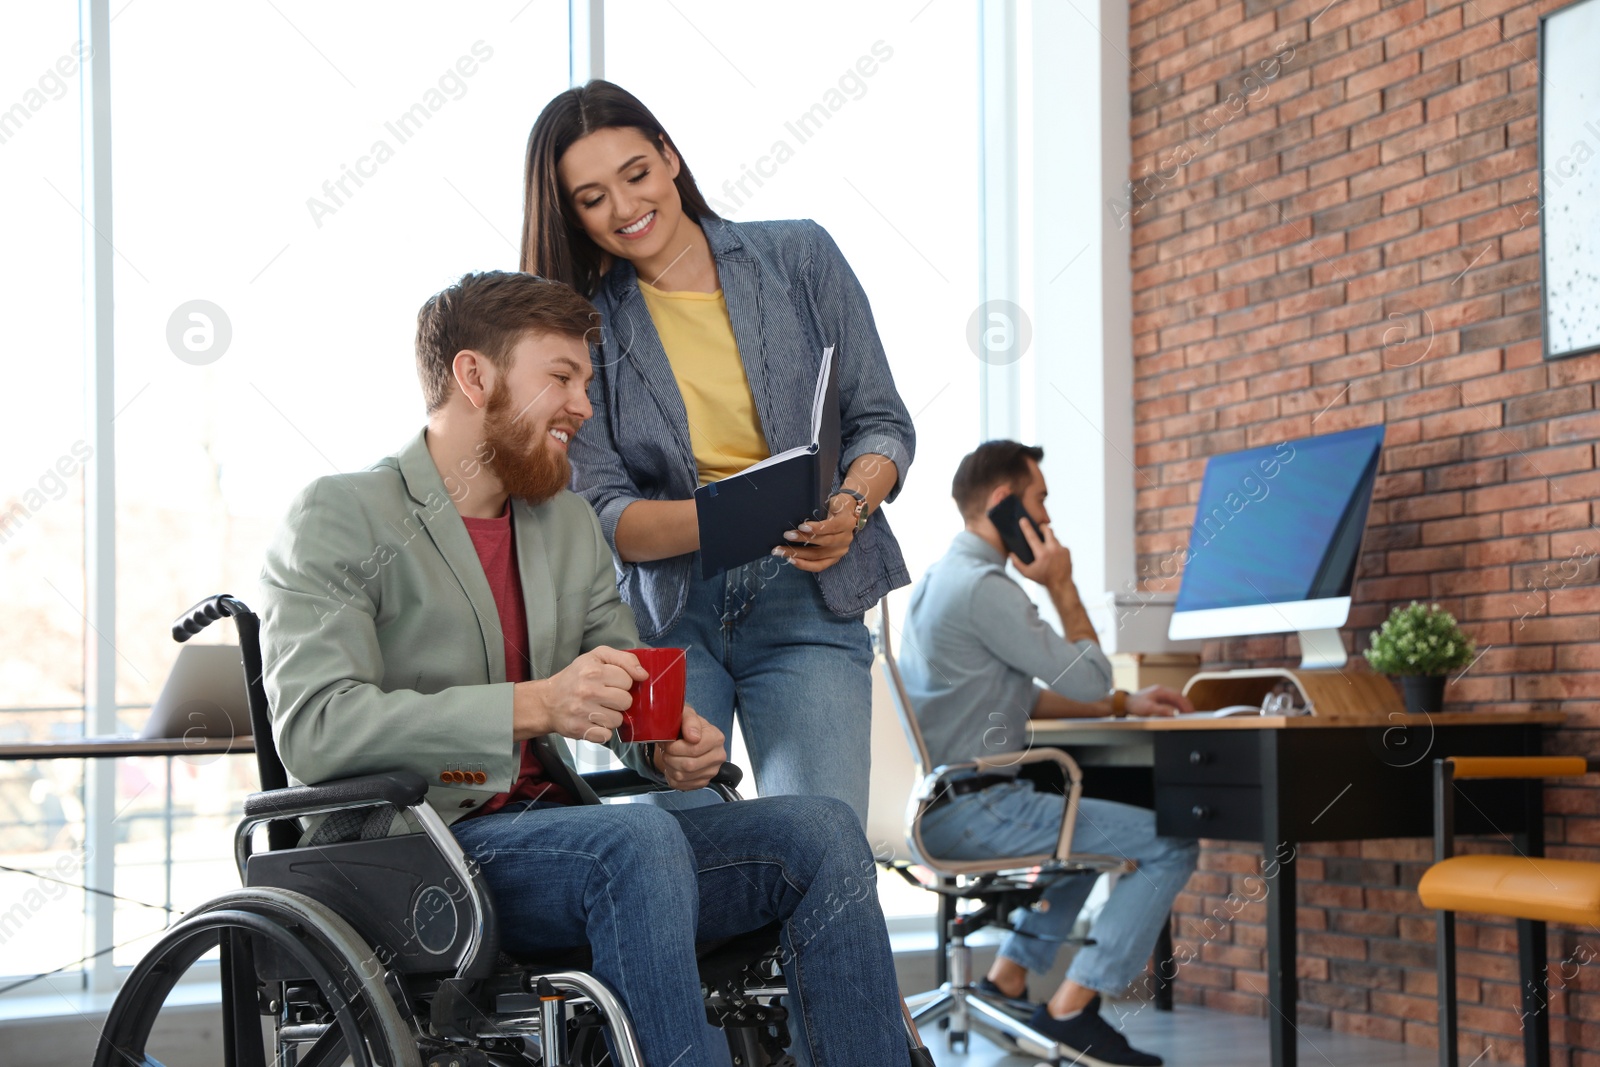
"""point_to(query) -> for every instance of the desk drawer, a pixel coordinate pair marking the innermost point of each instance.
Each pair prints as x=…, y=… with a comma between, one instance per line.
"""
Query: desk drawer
x=1229, y=812
x=1208, y=757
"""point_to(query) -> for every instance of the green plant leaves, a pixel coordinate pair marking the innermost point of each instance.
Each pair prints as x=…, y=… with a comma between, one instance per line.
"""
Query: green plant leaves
x=1419, y=639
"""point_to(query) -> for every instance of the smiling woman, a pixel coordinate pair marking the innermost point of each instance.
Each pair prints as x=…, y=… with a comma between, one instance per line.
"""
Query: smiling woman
x=711, y=336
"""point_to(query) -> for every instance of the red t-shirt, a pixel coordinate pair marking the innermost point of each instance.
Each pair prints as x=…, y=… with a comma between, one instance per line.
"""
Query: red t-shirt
x=496, y=545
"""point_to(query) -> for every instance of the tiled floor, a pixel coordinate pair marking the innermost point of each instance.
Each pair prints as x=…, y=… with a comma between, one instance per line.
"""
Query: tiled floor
x=1191, y=1037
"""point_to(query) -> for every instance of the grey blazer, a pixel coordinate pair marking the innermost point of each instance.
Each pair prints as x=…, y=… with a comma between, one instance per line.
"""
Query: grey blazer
x=790, y=294
x=382, y=645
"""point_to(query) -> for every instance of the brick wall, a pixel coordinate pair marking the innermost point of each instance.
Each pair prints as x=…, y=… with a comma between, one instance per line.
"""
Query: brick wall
x=1335, y=223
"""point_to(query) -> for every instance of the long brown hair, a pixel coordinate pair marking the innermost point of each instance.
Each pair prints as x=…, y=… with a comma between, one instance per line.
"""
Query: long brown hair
x=554, y=243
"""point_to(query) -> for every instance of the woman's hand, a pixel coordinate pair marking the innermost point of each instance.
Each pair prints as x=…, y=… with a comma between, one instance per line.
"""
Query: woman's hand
x=819, y=544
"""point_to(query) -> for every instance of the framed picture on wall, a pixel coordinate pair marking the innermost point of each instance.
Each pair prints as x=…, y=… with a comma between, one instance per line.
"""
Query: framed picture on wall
x=1569, y=177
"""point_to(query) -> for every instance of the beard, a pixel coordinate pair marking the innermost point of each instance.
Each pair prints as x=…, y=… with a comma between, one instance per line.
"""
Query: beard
x=519, y=456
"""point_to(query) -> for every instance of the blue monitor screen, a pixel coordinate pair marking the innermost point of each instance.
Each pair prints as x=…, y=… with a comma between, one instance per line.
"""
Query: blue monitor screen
x=1281, y=523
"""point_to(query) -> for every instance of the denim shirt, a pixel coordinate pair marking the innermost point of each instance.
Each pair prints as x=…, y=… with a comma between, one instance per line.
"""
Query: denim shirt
x=973, y=643
x=790, y=294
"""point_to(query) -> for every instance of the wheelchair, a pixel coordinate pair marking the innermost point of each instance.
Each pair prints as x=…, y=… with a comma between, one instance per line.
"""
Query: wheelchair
x=384, y=950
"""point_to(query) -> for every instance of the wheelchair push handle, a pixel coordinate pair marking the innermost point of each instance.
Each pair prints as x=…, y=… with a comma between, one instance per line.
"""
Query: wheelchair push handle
x=269, y=767
x=203, y=614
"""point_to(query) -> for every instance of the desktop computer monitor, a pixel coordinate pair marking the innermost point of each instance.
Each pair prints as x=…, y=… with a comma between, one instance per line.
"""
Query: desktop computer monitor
x=1276, y=538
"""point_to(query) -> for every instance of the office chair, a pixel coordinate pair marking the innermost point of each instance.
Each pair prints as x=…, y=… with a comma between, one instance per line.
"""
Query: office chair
x=374, y=948
x=1532, y=889
x=998, y=886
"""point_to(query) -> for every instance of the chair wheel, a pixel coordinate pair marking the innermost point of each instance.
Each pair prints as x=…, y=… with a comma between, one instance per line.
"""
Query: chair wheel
x=339, y=1009
x=957, y=1041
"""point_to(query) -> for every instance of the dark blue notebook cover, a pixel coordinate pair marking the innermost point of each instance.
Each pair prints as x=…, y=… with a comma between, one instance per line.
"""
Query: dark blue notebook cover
x=744, y=517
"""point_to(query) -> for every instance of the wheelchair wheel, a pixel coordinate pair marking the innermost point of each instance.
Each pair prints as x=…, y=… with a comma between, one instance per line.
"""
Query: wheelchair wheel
x=337, y=1008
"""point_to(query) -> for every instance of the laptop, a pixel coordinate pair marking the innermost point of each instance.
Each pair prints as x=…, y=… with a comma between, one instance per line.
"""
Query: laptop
x=204, y=696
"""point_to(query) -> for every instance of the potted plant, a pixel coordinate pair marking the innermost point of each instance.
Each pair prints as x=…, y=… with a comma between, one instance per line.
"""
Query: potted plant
x=1421, y=644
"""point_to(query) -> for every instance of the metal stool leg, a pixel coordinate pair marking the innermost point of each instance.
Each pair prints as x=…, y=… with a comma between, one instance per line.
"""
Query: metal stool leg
x=1445, y=949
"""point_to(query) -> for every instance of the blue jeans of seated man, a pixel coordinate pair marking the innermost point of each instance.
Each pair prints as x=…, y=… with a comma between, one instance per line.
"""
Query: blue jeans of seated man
x=763, y=646
x=1011, y=819
x=641, y=884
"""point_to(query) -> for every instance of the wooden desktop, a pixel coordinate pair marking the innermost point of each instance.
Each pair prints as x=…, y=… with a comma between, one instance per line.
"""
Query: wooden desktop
x=1284, y=780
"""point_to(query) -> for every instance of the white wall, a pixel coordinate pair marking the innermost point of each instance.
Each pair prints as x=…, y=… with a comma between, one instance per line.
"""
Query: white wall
x=1074, y=281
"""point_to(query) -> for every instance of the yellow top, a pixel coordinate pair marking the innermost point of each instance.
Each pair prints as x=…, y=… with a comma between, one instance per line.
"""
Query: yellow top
x=697, y=334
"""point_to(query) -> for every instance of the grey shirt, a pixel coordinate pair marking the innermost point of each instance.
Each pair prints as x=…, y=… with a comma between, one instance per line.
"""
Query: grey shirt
x=972, y=647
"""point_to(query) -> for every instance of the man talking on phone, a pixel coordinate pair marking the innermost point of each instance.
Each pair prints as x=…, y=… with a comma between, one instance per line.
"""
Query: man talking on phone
x=976, y=653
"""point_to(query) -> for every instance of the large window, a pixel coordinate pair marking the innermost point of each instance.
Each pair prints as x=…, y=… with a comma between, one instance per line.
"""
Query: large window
x=290, y=181
x=42, y=451
x=281, y=229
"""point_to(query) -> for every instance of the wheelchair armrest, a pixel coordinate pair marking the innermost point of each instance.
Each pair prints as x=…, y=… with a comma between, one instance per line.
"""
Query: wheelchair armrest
x=621, y=782
x=626, y=782
x=402, y=789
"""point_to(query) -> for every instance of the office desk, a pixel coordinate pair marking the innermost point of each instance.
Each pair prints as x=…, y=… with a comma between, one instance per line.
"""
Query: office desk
x=1284, y=781
x=112, y=747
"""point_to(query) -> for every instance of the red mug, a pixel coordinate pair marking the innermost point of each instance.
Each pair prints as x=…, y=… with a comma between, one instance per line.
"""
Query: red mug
x=657, y=711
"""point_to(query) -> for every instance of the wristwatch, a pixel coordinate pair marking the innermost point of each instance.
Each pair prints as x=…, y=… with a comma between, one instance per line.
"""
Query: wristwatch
x=861, y=507
x=1119, y=703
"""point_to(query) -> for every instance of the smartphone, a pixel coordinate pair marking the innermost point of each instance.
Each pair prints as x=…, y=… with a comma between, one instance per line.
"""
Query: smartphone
x=1008, y=517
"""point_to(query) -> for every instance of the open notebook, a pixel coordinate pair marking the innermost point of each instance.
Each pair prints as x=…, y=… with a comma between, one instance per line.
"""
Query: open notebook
x=744, y=517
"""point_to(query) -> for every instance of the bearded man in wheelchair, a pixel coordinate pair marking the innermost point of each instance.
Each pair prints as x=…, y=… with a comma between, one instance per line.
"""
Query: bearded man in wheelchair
x=452, y=613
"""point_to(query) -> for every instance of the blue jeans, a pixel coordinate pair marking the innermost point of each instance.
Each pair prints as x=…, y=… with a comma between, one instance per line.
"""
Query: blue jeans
x=765, y=647
x=1012, y=820
x=641, y=884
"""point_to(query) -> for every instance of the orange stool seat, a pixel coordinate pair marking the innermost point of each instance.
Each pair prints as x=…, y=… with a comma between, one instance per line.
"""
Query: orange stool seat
x=1521, y=887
